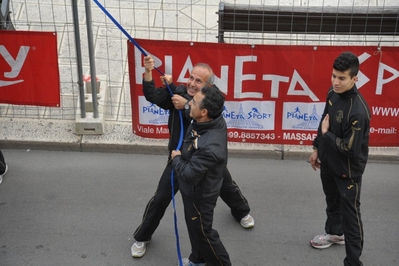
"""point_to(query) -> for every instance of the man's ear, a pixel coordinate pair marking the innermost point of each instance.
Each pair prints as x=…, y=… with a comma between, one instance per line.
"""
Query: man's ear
x=204, y=112
x=355, y=78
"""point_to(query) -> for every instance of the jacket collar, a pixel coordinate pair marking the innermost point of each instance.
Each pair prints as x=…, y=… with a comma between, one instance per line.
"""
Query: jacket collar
x=202, y=127
x=349, y=93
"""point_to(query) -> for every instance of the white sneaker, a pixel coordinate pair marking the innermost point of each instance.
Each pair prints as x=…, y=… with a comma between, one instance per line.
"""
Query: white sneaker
x=247, y=222
x=187, y=262
x=3, y=174
x=138, y=249
x=326, y=241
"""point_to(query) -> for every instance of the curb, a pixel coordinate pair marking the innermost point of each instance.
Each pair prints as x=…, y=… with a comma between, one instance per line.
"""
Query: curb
x=234, y=152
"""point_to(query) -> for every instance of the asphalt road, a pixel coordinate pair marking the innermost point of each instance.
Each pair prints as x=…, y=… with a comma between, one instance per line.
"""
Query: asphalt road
x=74, y=208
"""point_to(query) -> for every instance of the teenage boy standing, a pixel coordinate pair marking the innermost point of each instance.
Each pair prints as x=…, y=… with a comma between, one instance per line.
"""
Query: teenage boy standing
x=341, y=152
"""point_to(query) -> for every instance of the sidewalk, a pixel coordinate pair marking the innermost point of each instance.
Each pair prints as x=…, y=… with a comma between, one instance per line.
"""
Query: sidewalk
x=49, y=134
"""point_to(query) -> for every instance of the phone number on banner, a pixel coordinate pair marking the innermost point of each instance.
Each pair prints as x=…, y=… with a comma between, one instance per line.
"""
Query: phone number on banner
x=250, y=135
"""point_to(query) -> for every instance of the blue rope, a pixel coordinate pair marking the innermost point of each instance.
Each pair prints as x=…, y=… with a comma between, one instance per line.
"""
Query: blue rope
x=181, y=124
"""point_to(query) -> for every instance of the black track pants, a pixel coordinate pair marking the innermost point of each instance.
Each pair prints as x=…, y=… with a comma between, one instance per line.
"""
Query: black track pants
x=206, y=245
x=343, y=213
x=156, y=207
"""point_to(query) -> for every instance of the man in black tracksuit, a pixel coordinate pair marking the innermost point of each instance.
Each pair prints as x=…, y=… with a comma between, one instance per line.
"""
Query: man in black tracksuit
x=341, y=152
x=201, y=75
x=199, y=167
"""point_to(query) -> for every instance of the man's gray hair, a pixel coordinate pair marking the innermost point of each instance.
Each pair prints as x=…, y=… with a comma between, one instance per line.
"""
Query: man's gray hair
x=211, y=78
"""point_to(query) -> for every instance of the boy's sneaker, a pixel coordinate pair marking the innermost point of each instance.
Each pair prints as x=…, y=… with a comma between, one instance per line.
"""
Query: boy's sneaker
x=326, y=240
x=187, y=262
x=138, y=249
x=3, y=174
x=247, y=222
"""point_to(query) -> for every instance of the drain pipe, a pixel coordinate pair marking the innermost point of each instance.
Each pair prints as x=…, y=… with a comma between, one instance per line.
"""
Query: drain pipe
x=91, y=58
x=79, y=58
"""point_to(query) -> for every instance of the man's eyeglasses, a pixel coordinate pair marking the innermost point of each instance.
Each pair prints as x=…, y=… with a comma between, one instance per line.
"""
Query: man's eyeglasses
x=194, y=102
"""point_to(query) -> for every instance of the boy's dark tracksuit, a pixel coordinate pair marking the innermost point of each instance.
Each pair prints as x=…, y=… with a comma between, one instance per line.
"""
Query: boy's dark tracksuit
x=343, y=152
x=155, y=209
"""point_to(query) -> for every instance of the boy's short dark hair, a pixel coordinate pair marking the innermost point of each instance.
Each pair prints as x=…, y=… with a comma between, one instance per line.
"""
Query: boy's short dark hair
x=347, y=61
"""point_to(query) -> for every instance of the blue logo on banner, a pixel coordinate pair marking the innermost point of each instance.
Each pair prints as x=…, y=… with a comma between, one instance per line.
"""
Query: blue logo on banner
x=243, y=119
x=155, y=110
x=307, y=121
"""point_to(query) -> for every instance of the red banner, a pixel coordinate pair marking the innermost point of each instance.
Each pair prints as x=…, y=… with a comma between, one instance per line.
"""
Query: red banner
x=274, y=94
x=29, y=68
